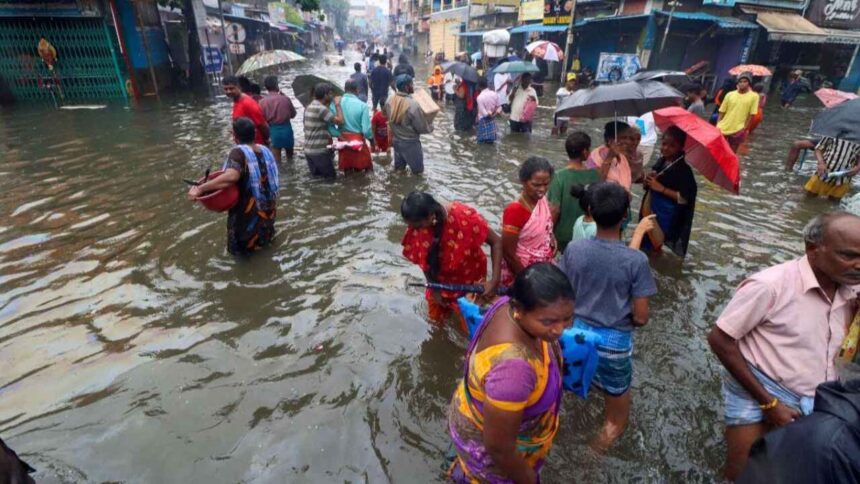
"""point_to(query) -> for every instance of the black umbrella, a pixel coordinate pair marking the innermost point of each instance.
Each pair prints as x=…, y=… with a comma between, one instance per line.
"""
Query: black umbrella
x=465, y=71
x=623, y=99
x=303, y=87
x=674, y=78
x=841, y=121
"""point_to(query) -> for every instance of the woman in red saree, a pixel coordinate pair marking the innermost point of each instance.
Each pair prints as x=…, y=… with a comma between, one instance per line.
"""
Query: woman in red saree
x=527, y=228
x=446, y=242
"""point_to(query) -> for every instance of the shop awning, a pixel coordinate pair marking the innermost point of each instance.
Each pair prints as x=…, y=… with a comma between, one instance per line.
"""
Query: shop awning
x=788, y=27
x=580, y=23
x=245, y=20
x=527, y=28
x=837, y=36
x=472, y=34
x=722, y=22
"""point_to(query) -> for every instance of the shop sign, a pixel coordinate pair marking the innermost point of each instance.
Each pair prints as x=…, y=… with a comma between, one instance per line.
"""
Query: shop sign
x=237, y=49
x=839, y=14
x=531, y=10
x=614, y=67
x=557, y=12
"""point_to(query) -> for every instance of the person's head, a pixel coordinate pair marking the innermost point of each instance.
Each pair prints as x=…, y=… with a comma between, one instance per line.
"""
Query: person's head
x=243, y=131
x=421, y=211
x=403, y=59
x=535, y=175
x=672, y=145
x=629, y=140
x=482, y=83
x=542, y=301
x=570, y=81
x=382, y=59
x=255, y=89
x=577, y=145
x=271, y=83
x=374, y=58
x=526, y=80
x=608, y=204
x=323, y=93
x=357, y=66
x=403, y=83
x=758, y=87
x=694, y=92
x=744, y=82
x=245, y=84
x=231, y=87
x=350, y=86
x=437, y=70
x=833, y=246
x=580, y=192
x=612, y=131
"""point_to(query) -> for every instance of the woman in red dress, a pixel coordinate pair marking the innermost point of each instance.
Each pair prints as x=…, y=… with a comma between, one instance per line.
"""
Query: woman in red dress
x=447, y=241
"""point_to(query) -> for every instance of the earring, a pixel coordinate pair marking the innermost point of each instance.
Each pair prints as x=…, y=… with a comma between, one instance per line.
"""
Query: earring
x=433, y=222
x=516, y=315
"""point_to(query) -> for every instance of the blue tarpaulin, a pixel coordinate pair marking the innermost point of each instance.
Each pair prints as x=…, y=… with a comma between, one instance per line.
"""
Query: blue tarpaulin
x=471, y=34
x=523, y=29
x=723, y=22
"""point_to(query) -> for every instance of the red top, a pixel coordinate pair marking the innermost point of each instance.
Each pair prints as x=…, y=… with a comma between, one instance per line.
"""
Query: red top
x=514, y=217
x=461, y=254
x=246, y=107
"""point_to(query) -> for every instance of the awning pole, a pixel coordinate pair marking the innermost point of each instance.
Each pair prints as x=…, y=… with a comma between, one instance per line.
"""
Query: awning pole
x=851, y=62
x=224, y=34
x=568, y=44
x=673, y=4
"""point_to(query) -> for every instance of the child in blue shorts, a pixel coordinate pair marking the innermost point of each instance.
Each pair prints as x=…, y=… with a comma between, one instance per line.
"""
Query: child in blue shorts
x=612, y=284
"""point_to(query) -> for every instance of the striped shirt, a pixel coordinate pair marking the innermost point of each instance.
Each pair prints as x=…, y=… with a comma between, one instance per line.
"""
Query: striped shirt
x=317, y=119
x=839, y=155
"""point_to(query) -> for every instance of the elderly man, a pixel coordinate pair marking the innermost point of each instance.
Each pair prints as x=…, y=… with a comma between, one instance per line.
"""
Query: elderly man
x=355, y=127
x=780, y=333
x=407, y=122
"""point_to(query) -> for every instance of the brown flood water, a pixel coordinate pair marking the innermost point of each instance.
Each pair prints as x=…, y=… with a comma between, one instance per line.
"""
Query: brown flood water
x=135, y=349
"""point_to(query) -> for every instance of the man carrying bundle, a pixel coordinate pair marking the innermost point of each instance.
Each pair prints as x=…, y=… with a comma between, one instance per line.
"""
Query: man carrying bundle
x=407, y=122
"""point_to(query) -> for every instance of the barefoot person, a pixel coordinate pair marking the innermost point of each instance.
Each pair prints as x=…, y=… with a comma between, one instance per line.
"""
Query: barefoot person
x=253, y=169
x=505, y=412
x=737, y=111
x=407, y=123
x=779, y=335
x=355, y=128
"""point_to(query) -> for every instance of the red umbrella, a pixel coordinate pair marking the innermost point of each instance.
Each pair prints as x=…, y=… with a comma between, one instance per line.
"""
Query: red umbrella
x=706, y=149
x=832, y=97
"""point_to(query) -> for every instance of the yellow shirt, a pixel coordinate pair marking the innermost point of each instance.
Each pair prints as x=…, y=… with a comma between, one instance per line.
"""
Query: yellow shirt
x=737, y=109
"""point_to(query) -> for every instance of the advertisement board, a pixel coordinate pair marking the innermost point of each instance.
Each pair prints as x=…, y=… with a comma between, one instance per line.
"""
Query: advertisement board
x=531, y=10
x=557, y=12
x=836, y=14
x=613, y=67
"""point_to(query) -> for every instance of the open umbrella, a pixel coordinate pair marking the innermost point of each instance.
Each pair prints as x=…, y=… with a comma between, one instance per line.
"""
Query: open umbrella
x=840, y=121
x=546, y=50
x=269, y=58
x=706, y=149
x=832, y=97
x=674, y=78
x=304, y=84
x=465, y=71
x=623, y=99
x=754, y=69
x=516, y=67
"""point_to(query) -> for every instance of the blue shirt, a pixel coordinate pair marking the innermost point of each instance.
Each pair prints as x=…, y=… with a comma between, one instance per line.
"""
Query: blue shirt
x=606, y=276
x=362, y=83
x=380, y=81
x=356, y=116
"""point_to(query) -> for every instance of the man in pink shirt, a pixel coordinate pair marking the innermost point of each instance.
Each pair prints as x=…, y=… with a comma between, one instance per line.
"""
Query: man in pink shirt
x=779, y=335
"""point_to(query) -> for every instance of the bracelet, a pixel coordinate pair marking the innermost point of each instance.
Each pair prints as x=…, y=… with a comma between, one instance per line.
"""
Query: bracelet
x=770, y=406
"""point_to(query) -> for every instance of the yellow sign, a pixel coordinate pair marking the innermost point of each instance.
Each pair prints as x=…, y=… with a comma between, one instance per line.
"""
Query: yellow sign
x=531, y=10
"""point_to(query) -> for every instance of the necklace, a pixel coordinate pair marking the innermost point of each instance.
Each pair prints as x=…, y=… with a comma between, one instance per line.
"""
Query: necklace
x=525, y=203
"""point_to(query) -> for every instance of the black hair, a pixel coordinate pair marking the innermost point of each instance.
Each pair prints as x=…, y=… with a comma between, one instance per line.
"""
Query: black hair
x=534, y=164
x=612, y=128
x=382, y=59
x=676, y=134
x=255, y=89
x=540, y=285
x=243, y=129
x=576, y=143
x=417, y=207
x=374, y=56
x=482, y=83
x=580, y=192
x=403, y=59
x=244, y=84
x=271, y=83
x=230, y=81
x=608, y=203
x=350, y=86
x=322, y=90
x=527, y=76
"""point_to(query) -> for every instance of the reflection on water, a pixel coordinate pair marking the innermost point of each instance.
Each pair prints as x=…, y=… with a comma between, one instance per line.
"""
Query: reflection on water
x=136, y=349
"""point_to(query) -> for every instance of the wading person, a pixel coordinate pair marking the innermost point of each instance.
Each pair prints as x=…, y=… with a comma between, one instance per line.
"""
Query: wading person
x=670, y=194
x=504, y=415
x=318, y=120
x=524, y=103
x=355, y=127
x=488, y=109
x=278, y=110
x=527, y=230
x=403, y=67
x=779, y=335
x=446, y=241
x=464, y=105
x=254, y=171
x=838, y=162
x=407, y=123
x=362, y=83
x=737, y=111
x=609, y=159
x=611, y=284
x=380, y=81
x=245, y=107
x=567, y=209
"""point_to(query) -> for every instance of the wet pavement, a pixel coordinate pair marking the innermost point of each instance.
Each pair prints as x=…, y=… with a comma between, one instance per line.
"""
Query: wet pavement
x=135, y=349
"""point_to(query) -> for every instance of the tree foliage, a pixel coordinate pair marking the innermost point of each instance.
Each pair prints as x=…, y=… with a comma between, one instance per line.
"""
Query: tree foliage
x=308, y=5
x=339, y=10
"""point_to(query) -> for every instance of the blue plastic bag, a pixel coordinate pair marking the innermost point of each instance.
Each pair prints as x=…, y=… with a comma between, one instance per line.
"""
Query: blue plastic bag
x=579, y=351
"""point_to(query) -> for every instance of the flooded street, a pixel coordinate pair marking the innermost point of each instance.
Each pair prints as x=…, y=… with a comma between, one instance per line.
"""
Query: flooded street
x=135, y=349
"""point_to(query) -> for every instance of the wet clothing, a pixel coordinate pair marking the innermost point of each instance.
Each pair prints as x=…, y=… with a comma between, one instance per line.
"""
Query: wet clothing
x=737, y=108
x=839, y=155
x=523, y=104
x=278, y=110
x=790, y=92
x=619, y=171
x=379, y=125
x=363, y=83
x=317, y=120
x=821, y=448
x=533, y=227
x=675, y=216
x=403, y=67
x=356, y=127
x=568, y=206
x=741, y=408
x=614, y=373
x=281, y=136
x=251, y=222
x=380, y=81
x=408, y=153
x=510, y=377
x=246, y=107
x=321, y=164
x=465, y=106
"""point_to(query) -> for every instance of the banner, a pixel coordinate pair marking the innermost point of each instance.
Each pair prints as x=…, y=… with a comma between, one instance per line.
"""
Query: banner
x=557, y=12
x=614, y=67
x=531, y=10
x=836, y=14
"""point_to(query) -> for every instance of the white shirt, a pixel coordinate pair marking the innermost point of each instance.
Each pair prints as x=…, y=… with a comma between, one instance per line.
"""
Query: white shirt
x=647, y=128
x=518, y=104
x=501, y=88
x=559, y=98
x=448, y=82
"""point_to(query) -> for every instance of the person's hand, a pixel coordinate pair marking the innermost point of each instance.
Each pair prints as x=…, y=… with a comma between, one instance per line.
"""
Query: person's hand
x=490, y=289
x=194, y=193
x=781, y=415
x=821, y=170
x=337, y=100
x=647, y=224
x=656, y=186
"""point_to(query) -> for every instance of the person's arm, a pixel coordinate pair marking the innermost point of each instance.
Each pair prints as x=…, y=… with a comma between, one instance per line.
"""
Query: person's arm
x=366, y=129
x=646, y=225
x=419, y=120
x=264, y=130
x=510, y=240
x=256, y=115
x=500, y=439
x=821, y=169
x=856, y=169
x=293, y=111
x=495, y=243
x=641, y=288
x=640, y=311
x=654, y=185
x=338, y=117
x=553, y=196
x=224, y=180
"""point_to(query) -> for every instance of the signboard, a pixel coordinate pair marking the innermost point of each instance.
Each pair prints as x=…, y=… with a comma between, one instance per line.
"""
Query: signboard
x=213, y=61
x=236, y=33
x=237, y=49
x=836, y=14
x=719, y=3
x=616, y=67
x=237, y=10
x=557, y=12
x=531, y=10
x=277, y=12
